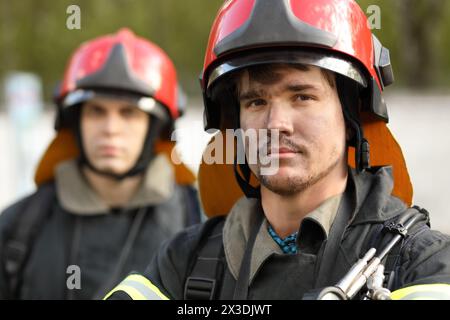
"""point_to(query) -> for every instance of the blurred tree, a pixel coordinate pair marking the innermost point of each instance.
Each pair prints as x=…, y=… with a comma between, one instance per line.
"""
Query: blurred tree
x=34, y=37
x=417, y=34
x=420, y=33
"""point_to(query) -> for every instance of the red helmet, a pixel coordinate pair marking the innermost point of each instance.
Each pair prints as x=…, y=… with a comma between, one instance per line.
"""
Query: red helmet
x=331, y=34
x=124, y=64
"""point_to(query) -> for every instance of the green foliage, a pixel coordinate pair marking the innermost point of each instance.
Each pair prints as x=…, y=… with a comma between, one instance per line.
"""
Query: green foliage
x=417, y=32
x=34, y=37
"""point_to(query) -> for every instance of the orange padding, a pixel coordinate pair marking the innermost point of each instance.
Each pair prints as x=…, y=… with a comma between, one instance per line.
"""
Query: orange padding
x=64, y=147
x=219, y=190
x=384, y=150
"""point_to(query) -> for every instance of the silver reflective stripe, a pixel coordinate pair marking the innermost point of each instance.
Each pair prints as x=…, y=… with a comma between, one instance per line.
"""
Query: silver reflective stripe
x=148, y=293
x=138, y=287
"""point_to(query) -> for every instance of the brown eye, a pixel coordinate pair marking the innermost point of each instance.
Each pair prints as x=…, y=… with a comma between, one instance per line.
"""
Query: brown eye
x=256, y=103
x=128, y=112
x=302, y=97
x=94, y=110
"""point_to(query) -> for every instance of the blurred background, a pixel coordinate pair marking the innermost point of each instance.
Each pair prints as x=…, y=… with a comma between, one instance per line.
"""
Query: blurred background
x=35, y=45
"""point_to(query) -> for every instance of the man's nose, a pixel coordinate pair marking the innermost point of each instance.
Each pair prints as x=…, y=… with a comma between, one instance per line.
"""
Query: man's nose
x=112, y=123
x=278, y=118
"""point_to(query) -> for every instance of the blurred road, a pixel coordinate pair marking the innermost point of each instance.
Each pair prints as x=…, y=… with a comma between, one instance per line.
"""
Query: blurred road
x=421, y=124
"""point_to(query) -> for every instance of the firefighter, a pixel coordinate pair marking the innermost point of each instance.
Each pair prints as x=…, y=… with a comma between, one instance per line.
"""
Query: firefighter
x=108, y=191
x=312, y=73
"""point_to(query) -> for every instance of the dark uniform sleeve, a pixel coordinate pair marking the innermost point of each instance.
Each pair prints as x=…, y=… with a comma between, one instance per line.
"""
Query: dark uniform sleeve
x=164, y=277
x=3, y=279
x=425, y=267
x=7, y=220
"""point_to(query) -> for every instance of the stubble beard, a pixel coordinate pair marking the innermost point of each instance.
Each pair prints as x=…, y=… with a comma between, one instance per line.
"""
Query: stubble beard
x=292, y=185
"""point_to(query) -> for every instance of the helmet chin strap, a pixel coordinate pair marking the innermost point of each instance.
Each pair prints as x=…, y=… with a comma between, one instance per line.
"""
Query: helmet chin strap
x=146, y=156
x=243, y=182
x=348, y=92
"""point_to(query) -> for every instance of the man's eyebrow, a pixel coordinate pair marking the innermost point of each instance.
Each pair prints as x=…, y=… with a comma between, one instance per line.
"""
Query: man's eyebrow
x=93, y=104
x=128, y=105
x=300, y=87
x=251, y=94
x=292, y=87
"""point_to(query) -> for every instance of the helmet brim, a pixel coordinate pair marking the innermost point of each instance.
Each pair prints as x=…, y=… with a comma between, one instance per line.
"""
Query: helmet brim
x=144, y=103
x=324, y=60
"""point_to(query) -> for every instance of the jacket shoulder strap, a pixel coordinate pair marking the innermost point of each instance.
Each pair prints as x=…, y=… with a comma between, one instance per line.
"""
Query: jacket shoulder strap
x=204, y=280
x=394, y=226
x=25, y=228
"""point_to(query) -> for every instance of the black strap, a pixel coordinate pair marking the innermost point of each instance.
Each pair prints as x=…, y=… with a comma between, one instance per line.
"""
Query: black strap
x=332, y=244
x=124, y=254
x=348, y=92
x=243, y=280
x=393, y=227
x=244, y=184
x=385, y=239
x=192, y=207
x=204, y=281
x=385, y=232
x=24, y=231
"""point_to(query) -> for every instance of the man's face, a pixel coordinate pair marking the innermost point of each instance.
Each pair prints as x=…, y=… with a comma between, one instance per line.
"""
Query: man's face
x=113, y=133
x=304, y=107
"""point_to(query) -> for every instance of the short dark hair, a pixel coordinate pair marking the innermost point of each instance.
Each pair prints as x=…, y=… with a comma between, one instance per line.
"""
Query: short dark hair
x=267, y=74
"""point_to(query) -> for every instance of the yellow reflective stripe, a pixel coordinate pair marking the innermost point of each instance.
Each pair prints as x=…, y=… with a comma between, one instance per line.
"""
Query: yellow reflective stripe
x=138, y=288
x=438, y=291
x=132, y=292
